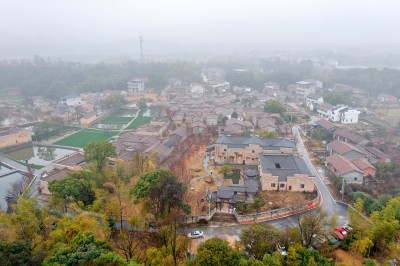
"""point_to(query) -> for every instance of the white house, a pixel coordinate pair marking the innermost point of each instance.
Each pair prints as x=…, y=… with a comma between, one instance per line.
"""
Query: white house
x=71, y=99
x=313, y=102
x=136, y=85
x=344, y=114
x=324, y=110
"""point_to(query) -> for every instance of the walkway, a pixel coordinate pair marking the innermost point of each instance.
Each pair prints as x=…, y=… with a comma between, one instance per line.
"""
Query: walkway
x=205, y=165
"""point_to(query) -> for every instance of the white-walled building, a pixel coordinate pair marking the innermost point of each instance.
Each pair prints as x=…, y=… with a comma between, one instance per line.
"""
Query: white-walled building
x=71, y=99
x=135, y=85
x=344, y=114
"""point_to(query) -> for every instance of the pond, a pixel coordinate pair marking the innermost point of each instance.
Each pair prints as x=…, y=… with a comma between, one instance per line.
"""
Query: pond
x=6, y=184
x=39, y=155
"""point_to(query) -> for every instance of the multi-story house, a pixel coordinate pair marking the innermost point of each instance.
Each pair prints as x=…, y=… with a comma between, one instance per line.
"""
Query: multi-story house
x=247, y=149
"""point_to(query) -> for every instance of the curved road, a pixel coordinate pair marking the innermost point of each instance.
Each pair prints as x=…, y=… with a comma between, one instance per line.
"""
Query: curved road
x=328, y=203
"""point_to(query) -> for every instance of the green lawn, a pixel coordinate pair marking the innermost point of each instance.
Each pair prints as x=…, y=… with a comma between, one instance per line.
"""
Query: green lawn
x=235, y=176
x=116, y=119
x=82, y=138
x=139, y=121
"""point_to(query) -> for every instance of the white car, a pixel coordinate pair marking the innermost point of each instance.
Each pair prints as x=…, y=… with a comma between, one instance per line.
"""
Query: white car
x=196, y=234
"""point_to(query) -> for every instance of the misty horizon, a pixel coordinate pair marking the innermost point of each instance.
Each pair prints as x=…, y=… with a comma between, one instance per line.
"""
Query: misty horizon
x=51, y=29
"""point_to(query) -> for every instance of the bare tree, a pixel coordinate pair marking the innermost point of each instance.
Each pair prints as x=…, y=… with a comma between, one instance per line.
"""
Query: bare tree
x=312, y=224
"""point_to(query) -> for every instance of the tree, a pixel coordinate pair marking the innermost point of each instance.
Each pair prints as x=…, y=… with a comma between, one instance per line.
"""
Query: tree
x=80, y=190
x=274, y=106
x=259, y=239
x=264, y=133
x=142, y=163
x=98, y=151
x=83, y=250
x=114, y=101
x=337, y=98
x=234, y=115
x=216, y=252
x=16, y=253
x=312, y=224
x=271, y=260
x=226, y=169
x=160, y=191
x=142, y=105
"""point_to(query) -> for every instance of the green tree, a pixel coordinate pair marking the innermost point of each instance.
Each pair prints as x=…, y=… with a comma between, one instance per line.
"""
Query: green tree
x=98, y=151
x=114, y=101
x=142, y=105
x=274, y=106
x=160, y=191
x=16, y=253
x=83, y=250
x=312, y=224
x=80, y=190
x=216, y=252
x=259, y=239
x=266, y=134
x=226, y=169
x=271, y=260
x=234, y=115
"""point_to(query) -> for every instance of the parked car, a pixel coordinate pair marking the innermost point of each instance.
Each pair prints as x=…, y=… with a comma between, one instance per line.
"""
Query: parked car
x=196, y=234
x=337, y=235
x=347, y=228
x=332, y=240
x=341, y=230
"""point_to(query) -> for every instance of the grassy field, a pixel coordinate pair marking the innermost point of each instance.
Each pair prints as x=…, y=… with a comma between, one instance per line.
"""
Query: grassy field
x=139, y=121
x=389, y=111
x=82, y=138
x=116, y=119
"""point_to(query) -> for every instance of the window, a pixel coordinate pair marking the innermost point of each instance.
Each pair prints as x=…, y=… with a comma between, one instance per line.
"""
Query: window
x=281, y=185
x=253, y=151
x=272, y=184
x=225, y=157
x=301, y=185
x=224, y=149
x=355, y=178
x=277, y=165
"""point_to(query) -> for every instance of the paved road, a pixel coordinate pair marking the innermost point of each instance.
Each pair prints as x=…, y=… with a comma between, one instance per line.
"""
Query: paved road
x=328, y=202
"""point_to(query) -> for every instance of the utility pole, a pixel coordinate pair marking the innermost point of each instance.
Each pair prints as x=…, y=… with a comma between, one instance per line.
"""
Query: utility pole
x=343, y=189
x=141, y=59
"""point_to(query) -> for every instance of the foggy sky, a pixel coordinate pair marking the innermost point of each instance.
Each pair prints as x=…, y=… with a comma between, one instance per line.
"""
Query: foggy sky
x=80, y=27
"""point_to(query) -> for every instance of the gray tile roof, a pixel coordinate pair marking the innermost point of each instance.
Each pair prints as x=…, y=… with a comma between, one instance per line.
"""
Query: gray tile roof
x=243, y=141
x=283, y=166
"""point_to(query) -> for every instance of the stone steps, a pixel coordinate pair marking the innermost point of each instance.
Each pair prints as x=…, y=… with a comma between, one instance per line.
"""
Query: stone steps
x=224, y=217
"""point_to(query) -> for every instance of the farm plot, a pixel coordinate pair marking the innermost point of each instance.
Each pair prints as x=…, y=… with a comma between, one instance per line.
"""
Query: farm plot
x=81, y=138
x=140, y=120
x=116, y=119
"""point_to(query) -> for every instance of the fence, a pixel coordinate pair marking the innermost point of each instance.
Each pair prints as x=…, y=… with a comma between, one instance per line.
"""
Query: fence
x=189, y=219
x=277, y=213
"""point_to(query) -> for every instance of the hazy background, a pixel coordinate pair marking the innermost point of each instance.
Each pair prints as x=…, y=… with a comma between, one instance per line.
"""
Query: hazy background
x=112, y=28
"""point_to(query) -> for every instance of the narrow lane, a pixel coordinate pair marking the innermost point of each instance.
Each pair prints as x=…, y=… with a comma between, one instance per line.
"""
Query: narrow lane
x=328, y=202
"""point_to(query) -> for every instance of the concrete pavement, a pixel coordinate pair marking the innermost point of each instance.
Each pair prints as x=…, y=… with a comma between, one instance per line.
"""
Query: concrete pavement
x=328, y=202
